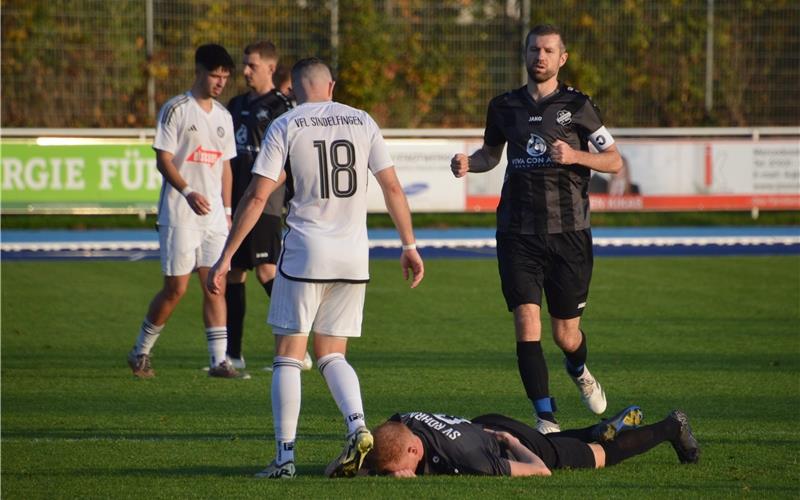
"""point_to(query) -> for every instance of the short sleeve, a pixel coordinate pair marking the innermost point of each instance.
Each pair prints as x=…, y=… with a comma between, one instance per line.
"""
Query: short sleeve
x=166, y=138
x=274, y=149
x=493, y=134
x=230, y=139
x=589, y=120
x=379, y=157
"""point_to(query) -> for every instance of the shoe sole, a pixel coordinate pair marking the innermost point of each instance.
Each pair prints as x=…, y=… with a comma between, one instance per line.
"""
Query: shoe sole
x=631, y=420
x=690, y=454
x=350, y=466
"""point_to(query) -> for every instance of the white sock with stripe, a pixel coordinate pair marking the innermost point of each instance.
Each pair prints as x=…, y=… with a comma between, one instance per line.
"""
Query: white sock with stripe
x=148, y=335
x=217, y=337
x=286, y=392
x=343, y=384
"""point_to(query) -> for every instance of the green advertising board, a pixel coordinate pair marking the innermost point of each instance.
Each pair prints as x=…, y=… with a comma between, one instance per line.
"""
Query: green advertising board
x=102, y=175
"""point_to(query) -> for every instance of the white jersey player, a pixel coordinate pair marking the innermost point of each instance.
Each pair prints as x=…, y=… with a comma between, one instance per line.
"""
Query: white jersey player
x=335, y=147
x=200, y=142
x=332, y=150
x=194, y=143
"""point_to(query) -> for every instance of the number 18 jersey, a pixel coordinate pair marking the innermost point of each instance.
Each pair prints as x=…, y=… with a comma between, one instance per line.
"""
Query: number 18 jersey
x=330, y=147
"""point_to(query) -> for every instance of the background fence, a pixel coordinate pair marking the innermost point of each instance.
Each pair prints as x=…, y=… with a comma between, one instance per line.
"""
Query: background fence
x=647, y=63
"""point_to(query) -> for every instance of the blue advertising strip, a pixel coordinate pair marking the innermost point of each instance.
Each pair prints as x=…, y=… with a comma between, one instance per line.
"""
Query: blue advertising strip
x=433, y=243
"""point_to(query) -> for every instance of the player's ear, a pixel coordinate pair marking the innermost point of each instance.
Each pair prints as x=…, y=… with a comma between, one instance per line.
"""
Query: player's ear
x=330, y=88
x=563, y=59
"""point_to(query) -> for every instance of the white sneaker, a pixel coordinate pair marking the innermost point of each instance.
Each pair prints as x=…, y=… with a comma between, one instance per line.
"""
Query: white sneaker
x=592, y=394
x=308, y=364
x=237, y=363
x=546, y=426
x=276, y=471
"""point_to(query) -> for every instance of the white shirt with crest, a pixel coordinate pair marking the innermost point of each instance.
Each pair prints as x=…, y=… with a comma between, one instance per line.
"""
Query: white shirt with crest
x=200, y=141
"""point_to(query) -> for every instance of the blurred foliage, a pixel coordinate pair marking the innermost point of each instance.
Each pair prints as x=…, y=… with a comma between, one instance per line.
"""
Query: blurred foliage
x=411, y=63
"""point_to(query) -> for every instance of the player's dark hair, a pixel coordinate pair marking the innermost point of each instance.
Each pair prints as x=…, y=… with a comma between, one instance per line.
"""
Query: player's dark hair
x=264, y=48
x=212, y=56
x=282, y=73
x=545, y=29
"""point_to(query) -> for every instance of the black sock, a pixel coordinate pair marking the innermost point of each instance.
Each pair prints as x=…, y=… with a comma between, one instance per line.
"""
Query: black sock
x=533, y=372
x=235, y=300
x=637, y=441
x=268, y=287
x=584, y=434
x=576, y=359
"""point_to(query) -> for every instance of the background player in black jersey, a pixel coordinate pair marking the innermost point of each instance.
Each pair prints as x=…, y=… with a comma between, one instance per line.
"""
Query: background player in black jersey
x=252, y=113
x=543, y=237
x=421, y=443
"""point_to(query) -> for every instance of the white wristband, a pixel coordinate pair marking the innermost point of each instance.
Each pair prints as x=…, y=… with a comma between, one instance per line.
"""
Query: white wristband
x=228, y=211
x=412, y=246
x=187, y=191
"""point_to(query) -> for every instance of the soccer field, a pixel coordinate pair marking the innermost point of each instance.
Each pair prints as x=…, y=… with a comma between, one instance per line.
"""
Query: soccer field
x=716, y=336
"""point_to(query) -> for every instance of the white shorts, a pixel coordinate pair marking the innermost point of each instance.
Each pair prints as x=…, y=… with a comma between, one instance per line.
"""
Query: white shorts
x=331, y=308
x=183, y=250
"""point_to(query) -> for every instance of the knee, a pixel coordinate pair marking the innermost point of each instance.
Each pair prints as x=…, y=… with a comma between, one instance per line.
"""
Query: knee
x=174, y=292
x=567, y=337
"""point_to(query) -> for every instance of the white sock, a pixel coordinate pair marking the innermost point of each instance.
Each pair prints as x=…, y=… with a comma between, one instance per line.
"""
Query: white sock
x=285, y=395
x=148, y=334
x=217, y=337
x=343, y=384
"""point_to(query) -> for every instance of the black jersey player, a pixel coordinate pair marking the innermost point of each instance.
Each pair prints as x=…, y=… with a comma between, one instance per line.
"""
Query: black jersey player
x=544, y=242
x=421, y=443
x=252, y=113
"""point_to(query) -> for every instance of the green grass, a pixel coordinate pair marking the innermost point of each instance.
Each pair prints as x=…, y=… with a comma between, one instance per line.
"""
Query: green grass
x=435, y=220
x=716, y=336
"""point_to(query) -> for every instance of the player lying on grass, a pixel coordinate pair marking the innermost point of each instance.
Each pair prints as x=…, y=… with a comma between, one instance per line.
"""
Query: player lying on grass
x=412, y=444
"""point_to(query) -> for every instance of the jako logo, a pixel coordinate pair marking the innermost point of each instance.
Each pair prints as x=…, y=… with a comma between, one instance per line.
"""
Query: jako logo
x=415, y=188
x=207, y=156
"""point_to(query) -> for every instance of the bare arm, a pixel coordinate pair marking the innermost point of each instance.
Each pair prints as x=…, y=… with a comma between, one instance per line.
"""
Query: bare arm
x=397, y=205
x=529, y=464
x=227, y=187
x=609, y=161
x=247, y=213
x=482, y=160
x=166, y=165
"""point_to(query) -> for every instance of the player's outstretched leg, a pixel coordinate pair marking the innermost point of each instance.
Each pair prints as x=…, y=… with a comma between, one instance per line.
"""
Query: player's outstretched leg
x=629, y=418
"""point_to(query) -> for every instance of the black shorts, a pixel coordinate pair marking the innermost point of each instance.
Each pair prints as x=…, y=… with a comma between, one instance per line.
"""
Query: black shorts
x=556, y=452
x=262, y=245
x=560, y=264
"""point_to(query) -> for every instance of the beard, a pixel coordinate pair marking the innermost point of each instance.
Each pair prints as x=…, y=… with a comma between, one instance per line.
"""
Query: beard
x=539, y=77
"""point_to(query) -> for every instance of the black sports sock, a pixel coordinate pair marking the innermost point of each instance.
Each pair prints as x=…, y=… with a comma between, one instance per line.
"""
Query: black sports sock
x=268, y=287
x=637, y=441
x=576, y=359
x=235, y=300
x=584, y=434
x=533, y=372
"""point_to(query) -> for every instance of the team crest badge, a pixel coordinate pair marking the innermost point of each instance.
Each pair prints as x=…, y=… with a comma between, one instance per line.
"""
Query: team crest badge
x=220, y=131
x=241, y=135
x=564, y=117
x=536, y=146
x=262, y=115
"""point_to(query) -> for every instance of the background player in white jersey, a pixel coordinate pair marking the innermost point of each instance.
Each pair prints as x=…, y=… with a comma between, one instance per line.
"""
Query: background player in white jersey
x=324, y=267
x=194, y=143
